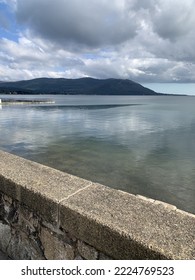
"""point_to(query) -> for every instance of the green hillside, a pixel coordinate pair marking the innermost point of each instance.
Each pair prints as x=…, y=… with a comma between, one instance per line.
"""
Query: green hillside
x=88, y=86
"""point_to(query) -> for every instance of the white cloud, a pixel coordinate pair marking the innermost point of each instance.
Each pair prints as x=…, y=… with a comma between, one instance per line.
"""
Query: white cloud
x=11, y=3
x=145, y=41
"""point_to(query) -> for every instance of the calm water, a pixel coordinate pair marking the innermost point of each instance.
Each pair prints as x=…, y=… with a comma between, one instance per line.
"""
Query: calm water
x=145, y=147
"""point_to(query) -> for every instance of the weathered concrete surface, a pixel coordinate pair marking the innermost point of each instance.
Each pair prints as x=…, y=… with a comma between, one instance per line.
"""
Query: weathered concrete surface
x=130, y=227
x=39, y=187
x=80, y=219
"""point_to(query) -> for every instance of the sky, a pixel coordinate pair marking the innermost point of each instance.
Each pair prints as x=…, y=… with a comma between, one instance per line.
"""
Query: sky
x=150, y=42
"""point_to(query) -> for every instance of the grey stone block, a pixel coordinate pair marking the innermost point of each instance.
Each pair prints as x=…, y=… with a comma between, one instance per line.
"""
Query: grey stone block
x=86, y=251
x=5, y=237
x=54, y=248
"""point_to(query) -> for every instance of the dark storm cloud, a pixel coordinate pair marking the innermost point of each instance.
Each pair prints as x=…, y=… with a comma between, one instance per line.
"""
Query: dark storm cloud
x=89, y=22
x=164, y=28
x=174, y=19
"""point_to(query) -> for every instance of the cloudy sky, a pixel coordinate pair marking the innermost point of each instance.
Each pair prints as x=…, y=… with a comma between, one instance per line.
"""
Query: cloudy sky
x=148, y=41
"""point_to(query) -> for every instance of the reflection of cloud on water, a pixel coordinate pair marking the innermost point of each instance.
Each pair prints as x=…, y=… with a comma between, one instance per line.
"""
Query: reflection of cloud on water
x=123, y=141
x=40, y=125
x=37, y=126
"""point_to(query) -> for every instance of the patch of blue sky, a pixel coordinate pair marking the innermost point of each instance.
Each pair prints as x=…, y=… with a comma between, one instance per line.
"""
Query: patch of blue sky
x=12, y=36
x=9, y=28
x=172, y=88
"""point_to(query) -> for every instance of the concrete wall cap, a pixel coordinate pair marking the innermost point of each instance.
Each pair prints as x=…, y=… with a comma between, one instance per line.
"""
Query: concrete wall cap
x=119, y=224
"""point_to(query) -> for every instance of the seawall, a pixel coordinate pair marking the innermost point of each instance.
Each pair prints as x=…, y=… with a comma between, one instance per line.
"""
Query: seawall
x=48, y=214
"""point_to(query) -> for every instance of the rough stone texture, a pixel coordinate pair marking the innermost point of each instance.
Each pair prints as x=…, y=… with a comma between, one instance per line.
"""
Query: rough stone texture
x=25, y=236
x=3, y=256
x=78, y=257
x=104, y=257
x=20, y=235
x=22, y=247
x=29, y=223
x=5, y=236
x=54, y=248
x=47, y=214
x=86, y=251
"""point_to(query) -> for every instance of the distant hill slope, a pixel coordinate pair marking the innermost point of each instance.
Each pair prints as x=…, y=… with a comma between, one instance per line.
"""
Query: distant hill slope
x=83, y=86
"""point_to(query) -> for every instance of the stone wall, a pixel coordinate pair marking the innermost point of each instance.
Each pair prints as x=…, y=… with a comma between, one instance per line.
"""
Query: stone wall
x=25, y=235
x=48, y=214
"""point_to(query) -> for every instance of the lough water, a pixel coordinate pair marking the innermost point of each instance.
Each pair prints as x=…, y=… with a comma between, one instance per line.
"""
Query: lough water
x=145, y=147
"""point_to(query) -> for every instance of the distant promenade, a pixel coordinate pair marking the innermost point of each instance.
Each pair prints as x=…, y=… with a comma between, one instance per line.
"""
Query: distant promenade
x=14, y=101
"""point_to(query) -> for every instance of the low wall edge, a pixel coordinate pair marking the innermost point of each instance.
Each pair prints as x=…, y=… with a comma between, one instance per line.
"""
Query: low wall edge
x=118, y=224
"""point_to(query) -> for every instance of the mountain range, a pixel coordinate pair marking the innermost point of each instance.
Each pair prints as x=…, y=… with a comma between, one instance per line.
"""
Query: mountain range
x=85, y=86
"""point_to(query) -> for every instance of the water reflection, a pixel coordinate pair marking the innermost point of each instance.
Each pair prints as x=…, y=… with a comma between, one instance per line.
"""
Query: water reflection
x=86, y=107
x=146, y=149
